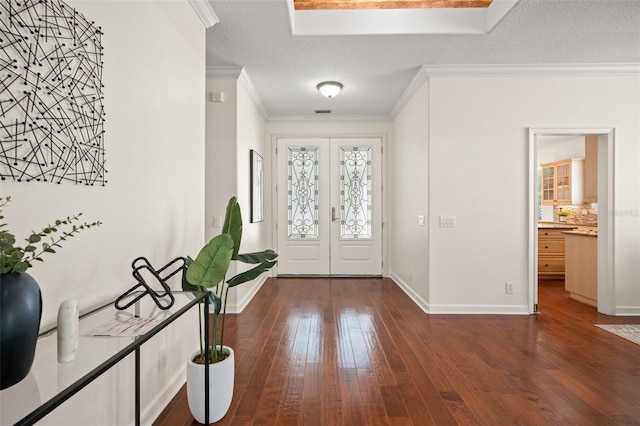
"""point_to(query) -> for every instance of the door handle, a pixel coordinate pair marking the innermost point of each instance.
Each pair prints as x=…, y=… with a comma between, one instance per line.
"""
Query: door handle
x=333, y=214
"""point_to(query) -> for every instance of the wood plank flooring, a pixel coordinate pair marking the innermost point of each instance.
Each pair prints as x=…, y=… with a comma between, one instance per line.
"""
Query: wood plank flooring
x=320, y=351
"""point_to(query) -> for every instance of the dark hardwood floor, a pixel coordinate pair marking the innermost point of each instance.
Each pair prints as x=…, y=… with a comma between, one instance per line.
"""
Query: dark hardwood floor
x=360, y=352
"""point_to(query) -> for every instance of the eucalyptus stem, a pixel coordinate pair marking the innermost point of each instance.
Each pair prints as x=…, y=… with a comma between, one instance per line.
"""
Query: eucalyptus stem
x=15, y=258
x=46, y=248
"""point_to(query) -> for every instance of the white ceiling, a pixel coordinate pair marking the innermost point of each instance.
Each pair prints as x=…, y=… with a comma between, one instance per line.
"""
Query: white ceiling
x=376, y=69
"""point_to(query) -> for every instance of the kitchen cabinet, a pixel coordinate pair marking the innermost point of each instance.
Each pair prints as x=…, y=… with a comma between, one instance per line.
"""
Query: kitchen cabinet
x=551, y=252
x=581, y=277
x=591, y=169
x=563, y=182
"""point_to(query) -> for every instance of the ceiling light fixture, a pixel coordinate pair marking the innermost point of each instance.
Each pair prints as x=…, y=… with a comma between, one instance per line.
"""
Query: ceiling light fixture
x=329, y=88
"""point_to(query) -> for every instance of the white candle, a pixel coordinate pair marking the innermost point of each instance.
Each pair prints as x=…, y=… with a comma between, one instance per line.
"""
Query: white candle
x=67, y=330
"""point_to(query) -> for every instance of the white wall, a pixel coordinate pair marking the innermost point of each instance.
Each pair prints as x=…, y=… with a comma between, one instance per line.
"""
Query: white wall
x=153, y=203
x=408, y=187
x=234, y=127
x=221, y=153
x=557, y=148
x=255, y=236
x=478, y=171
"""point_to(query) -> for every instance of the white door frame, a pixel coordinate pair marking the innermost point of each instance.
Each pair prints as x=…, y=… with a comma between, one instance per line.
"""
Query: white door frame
x=274, y=179
x=606, y=283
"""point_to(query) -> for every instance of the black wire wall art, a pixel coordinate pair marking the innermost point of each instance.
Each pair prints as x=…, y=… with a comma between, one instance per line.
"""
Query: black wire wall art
x=51, y=94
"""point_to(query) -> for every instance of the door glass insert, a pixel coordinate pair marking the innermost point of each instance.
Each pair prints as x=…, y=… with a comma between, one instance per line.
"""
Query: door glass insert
x=302, y=192
x=355, y=192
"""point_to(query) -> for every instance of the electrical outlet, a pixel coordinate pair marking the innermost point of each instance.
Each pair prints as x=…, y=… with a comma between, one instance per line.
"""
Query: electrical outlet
x=508, y=288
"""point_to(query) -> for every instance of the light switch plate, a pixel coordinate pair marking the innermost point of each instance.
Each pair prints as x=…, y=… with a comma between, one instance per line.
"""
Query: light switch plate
x=421, y=220
x=447, y=221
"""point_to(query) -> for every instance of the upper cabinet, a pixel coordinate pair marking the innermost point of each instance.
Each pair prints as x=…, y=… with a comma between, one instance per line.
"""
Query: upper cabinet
x=591, y=169
x=563, y=182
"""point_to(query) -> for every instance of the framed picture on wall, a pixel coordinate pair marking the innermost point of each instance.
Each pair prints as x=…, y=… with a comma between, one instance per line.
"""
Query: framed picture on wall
x=257, y=187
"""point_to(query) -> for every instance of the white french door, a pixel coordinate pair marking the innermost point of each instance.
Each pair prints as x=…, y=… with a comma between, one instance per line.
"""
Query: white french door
x=329, y=206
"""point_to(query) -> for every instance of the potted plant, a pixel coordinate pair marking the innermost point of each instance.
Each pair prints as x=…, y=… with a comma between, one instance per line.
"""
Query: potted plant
x=20, y=297
x=563, y=215
x=208, y=271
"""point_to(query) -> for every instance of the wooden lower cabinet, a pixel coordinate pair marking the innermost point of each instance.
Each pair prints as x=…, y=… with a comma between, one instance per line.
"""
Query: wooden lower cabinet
x=551, y=253
x=581, y=279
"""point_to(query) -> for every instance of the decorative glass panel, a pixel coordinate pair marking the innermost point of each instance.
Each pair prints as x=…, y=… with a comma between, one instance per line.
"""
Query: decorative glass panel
x=355, y=192
x=302, y=195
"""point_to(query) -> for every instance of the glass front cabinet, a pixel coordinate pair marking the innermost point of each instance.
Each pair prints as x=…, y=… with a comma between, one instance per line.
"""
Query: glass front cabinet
x=563, y=182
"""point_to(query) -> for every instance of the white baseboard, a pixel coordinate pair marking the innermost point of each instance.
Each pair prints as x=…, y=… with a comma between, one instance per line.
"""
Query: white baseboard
x=631, y=311
x=238, y=307
x=480, y=309
x=163, y=398
x=431, y=308
x=409, y=291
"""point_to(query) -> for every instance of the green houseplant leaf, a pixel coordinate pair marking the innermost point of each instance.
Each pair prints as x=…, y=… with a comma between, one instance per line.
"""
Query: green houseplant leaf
x=233, y=224
x=251, y=274
x=214, y=300
x=259, y=257
x=265, y=261
x=210, y=266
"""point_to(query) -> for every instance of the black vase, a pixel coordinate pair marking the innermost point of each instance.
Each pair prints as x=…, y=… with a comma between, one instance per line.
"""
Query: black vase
x=20, y=314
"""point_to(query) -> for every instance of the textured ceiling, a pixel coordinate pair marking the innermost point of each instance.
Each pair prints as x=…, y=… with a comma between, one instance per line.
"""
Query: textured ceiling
x=375, y=70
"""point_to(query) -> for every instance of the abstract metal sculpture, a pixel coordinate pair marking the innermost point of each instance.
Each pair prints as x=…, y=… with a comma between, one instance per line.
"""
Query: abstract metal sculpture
x=142, y=288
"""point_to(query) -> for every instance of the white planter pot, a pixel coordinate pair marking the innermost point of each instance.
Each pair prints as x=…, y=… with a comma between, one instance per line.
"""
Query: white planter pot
x=221, y=378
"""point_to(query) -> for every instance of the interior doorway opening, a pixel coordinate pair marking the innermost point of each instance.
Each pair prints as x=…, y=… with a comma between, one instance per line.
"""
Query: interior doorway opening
x=605, y=146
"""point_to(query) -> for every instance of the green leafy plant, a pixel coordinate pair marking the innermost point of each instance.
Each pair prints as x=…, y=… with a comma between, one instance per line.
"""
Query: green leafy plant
x=14, y=258
x=209, y=270
x=564, y=213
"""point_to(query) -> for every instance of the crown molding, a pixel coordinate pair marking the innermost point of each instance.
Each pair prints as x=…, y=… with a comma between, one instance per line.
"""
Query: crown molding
x=224, y=73
x=423, y=74
x=418, y=80
x=508, y=70
x=246, y=82
x=530, y=70
x=205, y=12
x=239, y=74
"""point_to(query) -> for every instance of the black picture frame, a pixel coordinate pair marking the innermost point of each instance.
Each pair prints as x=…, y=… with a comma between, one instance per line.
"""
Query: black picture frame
x=257, y=187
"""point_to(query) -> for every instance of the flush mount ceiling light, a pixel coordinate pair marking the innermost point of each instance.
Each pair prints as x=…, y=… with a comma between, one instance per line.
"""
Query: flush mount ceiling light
x=329, y=88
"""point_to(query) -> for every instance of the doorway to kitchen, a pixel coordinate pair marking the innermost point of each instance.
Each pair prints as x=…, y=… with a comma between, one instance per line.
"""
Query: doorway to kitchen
x=329, y=206
x=541, y=185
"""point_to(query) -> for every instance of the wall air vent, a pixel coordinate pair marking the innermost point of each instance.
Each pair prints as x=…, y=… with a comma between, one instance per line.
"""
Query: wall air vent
x=323, y=111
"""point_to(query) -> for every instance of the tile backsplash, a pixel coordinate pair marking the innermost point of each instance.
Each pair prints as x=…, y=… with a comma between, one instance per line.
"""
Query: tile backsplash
x=580, y=215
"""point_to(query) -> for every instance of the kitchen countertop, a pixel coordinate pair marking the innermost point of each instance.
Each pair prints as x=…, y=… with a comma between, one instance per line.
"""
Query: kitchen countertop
x=555, y=225
x=584, y=233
